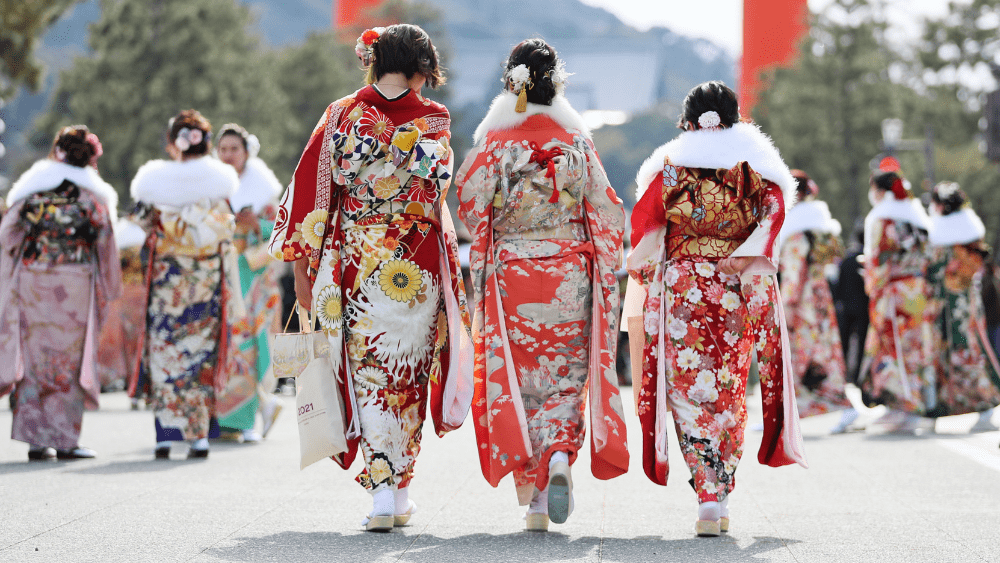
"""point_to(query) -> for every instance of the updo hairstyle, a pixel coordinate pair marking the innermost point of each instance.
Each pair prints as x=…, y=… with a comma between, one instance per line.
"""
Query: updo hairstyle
x=710, y=96
x=805, y=187
x=890, y=181
x=406, y=48
x=72, y=145
x=191, y=120
x=949, y=196
x=542, y=62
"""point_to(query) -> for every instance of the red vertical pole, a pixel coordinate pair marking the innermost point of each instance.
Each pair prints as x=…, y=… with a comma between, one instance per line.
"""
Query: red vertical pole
x=771, y=33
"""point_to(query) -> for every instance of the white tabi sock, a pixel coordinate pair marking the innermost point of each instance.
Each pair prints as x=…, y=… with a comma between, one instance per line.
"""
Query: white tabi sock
x=402, y=499
x=724, y=508
x=384, y=503
x=539, y=502
x=557, y=457
x=708, y=511
x=200, y=444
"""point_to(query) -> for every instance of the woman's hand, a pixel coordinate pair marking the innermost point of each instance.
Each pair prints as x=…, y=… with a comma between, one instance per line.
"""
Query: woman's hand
x=734, y=265
x=246, y=222
x=303, y=287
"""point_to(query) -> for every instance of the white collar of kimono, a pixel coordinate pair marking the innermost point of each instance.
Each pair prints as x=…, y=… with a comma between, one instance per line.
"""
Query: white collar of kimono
x=47, y=174
x=502, y=116
x=168, y=182
x=259, y=187
x=813, y=215
x=721, y=149
x=960, y=227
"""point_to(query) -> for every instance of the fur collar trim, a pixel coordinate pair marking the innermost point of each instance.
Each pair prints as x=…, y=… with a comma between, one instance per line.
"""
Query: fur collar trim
x=813, y=215
x=168, y=182
x=47, y=174
x=960, y=227
x=259, y=187
x=723, y=148
x=501, y=115
x=907, y=210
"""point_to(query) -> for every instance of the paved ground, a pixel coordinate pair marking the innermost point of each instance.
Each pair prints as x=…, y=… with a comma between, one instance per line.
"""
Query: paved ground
x=865, y=498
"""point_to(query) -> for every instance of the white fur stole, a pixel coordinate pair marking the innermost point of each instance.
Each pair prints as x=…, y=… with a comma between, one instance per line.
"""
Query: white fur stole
x=960, y=227
x=168, y=182
x=501, y=115
x=47, y=174
x=259, y=187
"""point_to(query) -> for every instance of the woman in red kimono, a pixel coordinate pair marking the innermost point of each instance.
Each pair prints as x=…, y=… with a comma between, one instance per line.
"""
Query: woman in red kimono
x=704, y=236
x=375, y=255
x=547, y=231
x=810, y=243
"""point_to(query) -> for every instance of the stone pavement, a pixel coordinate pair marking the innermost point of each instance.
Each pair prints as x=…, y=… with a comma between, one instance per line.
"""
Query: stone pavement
x=934, y=497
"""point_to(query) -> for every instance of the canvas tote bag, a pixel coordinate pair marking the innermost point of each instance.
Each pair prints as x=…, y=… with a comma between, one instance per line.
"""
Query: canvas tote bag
x=320, y=407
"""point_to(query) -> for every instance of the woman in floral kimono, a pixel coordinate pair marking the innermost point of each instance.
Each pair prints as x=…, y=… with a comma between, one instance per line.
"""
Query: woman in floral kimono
x=704, y=234
x=810, y=243
x=255, y=204
x=375, y=257
x=58, y=273
x=194, y=298
x=968, y=377
x=899, y=349
x=547, y=231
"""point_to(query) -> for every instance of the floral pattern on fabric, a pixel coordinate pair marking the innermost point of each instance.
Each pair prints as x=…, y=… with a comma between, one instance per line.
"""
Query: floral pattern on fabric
x=900, y=342
x=366, y=207
x=817, y=355
x=62, y=226
x=701, y=325
x=544, y=252
x=968, y=377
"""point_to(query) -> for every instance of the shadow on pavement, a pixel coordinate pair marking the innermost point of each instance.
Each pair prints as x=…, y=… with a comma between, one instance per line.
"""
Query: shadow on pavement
x=11, y=467
x=139, y=466
x=523, y=547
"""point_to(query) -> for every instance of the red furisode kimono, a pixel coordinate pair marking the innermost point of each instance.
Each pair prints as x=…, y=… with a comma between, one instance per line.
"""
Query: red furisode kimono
x=547, y=231
x=366, y=207
x=706, y=196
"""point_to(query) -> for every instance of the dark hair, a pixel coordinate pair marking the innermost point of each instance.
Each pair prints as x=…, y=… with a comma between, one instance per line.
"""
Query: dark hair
x=890, y=181
x=237, y=131
x=804, y=185
x=73, y=141
x=406, y=48
x=191, y=119
x=710, y=96
x=541, y=60
x=953, y=201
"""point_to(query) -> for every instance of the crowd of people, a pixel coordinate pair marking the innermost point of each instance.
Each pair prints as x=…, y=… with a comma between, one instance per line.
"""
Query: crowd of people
x=731, y=258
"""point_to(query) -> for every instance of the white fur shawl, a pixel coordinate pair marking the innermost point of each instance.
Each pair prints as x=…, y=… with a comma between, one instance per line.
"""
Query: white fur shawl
x=167, y=182
x=960, y=227
x=502, y=116
x=722, y=148
x=906, y=210
x=810, y=215
x=259, y=187
x=47, y=174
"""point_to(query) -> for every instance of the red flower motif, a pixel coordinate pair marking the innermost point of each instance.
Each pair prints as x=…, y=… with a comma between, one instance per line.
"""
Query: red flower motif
x=377, y=125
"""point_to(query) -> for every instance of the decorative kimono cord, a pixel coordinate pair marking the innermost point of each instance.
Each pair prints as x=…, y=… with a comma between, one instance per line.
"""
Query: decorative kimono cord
x=546, y=158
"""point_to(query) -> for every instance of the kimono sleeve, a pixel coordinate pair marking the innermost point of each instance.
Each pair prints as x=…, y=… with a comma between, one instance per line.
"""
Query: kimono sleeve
x=299, y=201
x=108, y=284
x=792, y=267
x=477, y=184
x=649, y=225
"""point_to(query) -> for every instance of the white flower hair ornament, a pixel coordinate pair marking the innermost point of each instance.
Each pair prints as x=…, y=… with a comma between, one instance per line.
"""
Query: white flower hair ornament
x=60, y=154
x=187, y=138
x=519, y=79
x=253, y=145
x=558, y=76
x=946, y=189
x=364, y=48
x=709, y=120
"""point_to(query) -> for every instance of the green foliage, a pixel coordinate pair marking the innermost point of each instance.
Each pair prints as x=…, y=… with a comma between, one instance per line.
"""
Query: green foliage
x=965, y=40
x=153, y=58
x=825, y=113
x=22, y=23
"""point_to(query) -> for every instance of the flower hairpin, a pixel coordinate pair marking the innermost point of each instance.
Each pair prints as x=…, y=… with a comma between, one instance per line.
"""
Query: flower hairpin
x=60, y=154
x=946, y=189
x=187, y=138
x=519, y=79
x=558, y=76
x=709, y=120
x=253, y=145
x=94, y=142
x=365, y=46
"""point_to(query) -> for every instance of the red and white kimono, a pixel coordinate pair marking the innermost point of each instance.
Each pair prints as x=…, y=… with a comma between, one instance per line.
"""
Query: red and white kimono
x=547, y=231
x=810, y=243
x=366, y=208
x=706, y=196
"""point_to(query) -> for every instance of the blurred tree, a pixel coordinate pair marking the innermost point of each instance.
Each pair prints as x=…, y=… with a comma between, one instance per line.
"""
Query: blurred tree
x=22, y=23
x=964, y=43
x=153, y=58
x=311, y=76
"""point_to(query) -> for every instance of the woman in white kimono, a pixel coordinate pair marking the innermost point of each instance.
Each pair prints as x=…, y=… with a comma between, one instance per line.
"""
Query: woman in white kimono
x=58, y=273
x=194, y=298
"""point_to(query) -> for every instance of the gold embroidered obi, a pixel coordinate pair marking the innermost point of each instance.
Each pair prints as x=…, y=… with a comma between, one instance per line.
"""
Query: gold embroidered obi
x=710, y=213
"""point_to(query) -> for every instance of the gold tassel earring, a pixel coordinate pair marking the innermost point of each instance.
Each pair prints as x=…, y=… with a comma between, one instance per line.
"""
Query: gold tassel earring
x=522, y=100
